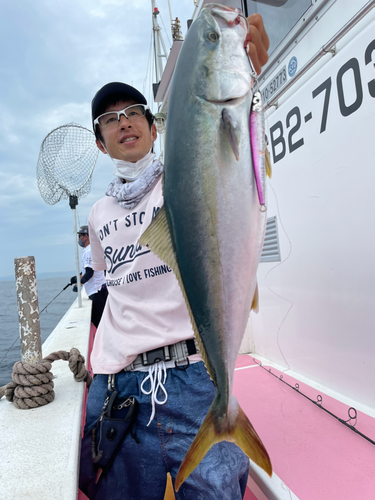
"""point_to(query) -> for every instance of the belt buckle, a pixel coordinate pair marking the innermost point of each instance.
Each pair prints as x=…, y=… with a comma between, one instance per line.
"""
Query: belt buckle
x=160, y=354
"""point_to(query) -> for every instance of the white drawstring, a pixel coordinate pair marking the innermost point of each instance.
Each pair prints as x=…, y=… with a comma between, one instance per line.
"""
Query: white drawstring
x=155, y=373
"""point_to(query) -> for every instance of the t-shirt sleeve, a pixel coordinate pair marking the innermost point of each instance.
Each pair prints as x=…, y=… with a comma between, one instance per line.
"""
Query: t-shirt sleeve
x=97, y=254
x=87, y=260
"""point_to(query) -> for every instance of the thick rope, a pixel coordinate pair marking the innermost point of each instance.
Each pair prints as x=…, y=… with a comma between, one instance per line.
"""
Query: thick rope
x=32, y=385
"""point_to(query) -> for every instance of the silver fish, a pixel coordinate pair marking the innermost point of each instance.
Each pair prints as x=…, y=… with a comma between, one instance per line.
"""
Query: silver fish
x=210, y=230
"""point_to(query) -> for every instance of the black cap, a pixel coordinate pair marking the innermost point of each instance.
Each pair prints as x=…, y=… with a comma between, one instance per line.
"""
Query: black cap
x=114, y=88
x=83, y=230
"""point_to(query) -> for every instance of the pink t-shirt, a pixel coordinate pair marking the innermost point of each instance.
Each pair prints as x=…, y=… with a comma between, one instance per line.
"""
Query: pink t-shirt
x=145, y=308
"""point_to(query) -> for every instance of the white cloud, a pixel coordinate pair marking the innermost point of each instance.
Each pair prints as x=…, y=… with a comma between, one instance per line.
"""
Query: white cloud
x=16, y=186
x=58, y=54
x=9, y=122
x=69, y=112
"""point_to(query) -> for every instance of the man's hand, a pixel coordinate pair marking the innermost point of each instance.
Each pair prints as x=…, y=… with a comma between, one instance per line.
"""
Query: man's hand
x=258, y=42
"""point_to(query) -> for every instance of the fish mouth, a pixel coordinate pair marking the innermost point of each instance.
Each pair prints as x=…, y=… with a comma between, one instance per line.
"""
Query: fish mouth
x=227, y=16
x=231, y=100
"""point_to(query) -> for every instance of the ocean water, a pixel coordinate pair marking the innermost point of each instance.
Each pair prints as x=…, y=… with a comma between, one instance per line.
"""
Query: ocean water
x=9, y=331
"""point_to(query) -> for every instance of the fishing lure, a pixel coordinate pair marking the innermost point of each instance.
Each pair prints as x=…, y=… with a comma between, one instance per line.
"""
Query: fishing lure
x=258, y=147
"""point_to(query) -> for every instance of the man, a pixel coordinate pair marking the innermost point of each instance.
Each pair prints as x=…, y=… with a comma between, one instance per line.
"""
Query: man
x=94, y=281
x=144, y=348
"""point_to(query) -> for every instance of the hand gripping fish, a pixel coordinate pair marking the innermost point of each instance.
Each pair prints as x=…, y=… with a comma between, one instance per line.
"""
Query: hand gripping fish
x=210, y=230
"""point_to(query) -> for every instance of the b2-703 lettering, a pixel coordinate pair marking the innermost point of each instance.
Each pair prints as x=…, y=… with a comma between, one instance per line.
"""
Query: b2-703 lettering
x=349, y=70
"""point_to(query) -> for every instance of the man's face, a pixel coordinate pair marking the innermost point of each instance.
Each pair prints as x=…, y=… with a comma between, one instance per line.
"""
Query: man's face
x=131, y=140
x=83, y=240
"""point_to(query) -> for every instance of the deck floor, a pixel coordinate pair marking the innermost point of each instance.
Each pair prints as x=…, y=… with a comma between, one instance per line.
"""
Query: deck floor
x=315, y=455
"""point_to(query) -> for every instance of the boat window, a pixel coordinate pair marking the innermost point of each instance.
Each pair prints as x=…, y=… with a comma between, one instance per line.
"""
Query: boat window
x=279, y=16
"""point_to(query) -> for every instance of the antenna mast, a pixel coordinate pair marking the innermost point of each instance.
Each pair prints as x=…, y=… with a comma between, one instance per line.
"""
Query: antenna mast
x=159, y=46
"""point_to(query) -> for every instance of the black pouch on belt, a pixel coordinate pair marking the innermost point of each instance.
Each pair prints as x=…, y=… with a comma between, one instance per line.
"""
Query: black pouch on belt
x=109, y=434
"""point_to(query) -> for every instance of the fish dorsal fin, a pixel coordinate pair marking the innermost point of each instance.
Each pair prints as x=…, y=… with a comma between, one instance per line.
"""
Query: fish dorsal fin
x=255, y=304
x=158, y=239
x=232, y=129
x=268, y=163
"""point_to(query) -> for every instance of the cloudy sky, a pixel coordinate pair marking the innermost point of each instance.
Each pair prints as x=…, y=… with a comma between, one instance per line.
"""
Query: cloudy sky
x=55, y=55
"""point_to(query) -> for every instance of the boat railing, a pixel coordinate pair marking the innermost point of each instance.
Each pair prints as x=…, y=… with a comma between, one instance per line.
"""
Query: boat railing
x=328, y=48
x=39, y=447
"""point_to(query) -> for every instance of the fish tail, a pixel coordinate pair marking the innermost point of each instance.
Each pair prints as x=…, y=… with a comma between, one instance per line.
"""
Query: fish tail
x=242, y=434
x=245, y=436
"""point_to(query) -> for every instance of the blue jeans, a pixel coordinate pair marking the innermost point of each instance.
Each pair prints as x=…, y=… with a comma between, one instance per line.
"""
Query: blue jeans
x=139, y=470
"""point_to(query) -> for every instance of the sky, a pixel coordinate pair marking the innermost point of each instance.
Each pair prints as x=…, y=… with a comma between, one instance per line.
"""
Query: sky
x=55, y=56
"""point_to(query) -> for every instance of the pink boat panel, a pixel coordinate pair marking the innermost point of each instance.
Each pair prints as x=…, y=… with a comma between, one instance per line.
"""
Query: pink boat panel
x=314, y=454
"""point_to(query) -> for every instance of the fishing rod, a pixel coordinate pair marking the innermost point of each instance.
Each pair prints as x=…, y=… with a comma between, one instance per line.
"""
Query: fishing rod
x=352, y=412
x=65, y=287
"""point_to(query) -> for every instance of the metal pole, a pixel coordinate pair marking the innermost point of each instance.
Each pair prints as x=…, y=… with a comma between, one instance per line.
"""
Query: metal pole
x=157, y=40
x=155, y=30
x=170, y=11
x=73, y=202
x=28, y=310
x=77, y=259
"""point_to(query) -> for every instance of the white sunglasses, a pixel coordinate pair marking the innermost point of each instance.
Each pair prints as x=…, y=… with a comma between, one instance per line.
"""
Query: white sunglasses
x=111, y=118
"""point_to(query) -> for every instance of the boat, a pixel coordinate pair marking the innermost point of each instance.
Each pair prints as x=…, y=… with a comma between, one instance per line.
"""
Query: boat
x=305, y=373
x=305, y=376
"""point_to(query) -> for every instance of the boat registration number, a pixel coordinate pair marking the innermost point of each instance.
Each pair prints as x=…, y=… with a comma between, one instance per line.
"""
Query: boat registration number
x=274, y=85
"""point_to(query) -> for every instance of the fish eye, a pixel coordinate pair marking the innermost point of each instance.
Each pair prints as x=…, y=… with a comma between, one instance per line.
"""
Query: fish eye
x=213, y=36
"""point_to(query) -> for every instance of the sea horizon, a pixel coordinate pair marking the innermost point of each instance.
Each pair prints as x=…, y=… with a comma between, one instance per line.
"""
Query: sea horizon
x=43, y=275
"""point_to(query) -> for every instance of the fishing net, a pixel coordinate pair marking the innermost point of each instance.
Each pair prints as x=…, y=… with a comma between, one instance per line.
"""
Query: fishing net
x=66, y=162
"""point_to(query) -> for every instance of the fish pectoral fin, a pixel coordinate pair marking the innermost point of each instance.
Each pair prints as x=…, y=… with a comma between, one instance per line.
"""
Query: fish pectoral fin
x=232, y=130
x=242, y=434
x=255, y=304
x=268, y=163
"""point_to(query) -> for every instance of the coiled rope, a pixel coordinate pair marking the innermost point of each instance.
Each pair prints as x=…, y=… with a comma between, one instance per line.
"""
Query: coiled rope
x=32, y=385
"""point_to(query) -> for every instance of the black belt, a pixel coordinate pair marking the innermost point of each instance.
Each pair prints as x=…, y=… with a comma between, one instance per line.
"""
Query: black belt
x=178, y=353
